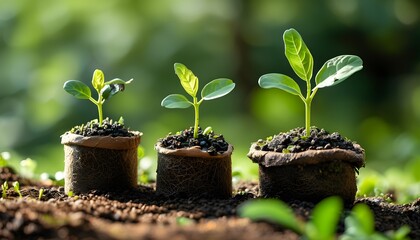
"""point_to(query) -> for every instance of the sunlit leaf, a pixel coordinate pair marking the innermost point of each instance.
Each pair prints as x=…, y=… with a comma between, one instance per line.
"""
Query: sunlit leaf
x=188, y=80
x=98, y=80
x=77, y=89
x=325, y=217
x=113, y=87
x=280, y=81
x=271, y=210
x=298, y=55
x=176, y=101
x=217, y=88
x=337, y=69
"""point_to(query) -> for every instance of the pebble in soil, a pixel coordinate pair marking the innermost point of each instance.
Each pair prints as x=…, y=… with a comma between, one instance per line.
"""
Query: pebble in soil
x=108, y=127
x=295, y=141
x=212, y=143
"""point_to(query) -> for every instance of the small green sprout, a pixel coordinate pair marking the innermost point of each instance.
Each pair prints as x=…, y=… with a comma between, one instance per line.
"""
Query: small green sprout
x=41, y=193
x=215, y=89
x=4, y=188
x=104, y=89
x=333, y=72
x=16, y=187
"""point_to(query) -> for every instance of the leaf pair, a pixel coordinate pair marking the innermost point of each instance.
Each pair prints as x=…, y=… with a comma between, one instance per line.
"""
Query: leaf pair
x=214, y=89
x=105, y=89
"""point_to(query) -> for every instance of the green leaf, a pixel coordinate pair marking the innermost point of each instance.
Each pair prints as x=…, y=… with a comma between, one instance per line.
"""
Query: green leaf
x=217, y=88
x=360, y=223
x=298, y=54
x=77, y=89
x=176, y=101
x=325, y=217
x=98, y=80
x=271, y=210
x=280, y=81
x=337, y=69
x=188, y=80
x=113, y=87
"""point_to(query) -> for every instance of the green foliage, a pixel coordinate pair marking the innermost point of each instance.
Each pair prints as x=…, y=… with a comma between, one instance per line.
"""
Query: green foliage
x=360, y=224
x=105, y=90
x=4, y=158
x=300, y=59
x=16, y=187
x=322, y=225
x=214, y=89
x=4, y=188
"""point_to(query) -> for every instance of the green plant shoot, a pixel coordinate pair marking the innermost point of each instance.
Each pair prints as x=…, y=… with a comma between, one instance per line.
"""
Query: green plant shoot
x=215, y=89
x=16, y=187
x=333, y=72
x=104, y=89
x=4, y=188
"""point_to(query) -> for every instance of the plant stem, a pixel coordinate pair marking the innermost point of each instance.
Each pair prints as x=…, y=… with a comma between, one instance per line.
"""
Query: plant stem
x=196, y=116
x=308, y=117
x=101, y=118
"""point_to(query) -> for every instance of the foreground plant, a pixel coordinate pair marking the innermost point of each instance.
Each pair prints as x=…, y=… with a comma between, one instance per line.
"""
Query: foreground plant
x=105, y=90
x=4, y=188
x=16, y=187
x=215, y=89
x=333, y=72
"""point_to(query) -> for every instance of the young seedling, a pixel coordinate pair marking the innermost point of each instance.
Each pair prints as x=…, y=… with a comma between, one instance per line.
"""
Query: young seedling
x=104, y=89
x=215, y=89
x=16, y=187
x=4, y=188
x=333, y=72
x=41, y=193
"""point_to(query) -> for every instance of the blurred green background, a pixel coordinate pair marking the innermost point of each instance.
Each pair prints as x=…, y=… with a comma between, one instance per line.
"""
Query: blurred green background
x=45, y=43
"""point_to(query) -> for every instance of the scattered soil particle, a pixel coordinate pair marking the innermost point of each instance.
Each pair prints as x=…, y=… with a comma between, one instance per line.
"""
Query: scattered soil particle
x=295, y=141
x=141, y=214
x=212, y=143
x=108, y=127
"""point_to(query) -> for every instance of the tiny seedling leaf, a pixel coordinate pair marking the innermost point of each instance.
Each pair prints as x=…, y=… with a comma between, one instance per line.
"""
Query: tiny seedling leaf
x=280, y=81
x=188, y=80
x=298, y=54
x=325, y=217
x=176, y=101
x=78, y=89
x=217, y=88
x=337, y=69
x=98, y=80
x=271, y=210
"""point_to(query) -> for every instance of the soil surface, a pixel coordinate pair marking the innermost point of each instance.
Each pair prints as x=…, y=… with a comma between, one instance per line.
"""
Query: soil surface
x=141, y=214
x=108, y=127
x=210, y=142
x=295, y=141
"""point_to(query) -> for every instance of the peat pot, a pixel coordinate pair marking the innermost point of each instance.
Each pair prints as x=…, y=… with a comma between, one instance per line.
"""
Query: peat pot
x=190, y=172
x=102, y=163
x=311, y=175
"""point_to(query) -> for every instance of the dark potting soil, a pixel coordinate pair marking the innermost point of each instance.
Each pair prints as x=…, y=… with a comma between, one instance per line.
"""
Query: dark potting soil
x=295, y=141
x=141, y=214
x=212, y=143
x=108, y=127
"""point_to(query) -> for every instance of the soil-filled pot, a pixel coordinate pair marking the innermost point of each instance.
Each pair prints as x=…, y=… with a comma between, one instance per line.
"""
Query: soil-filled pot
x=191, y=172
x=102, y=163
x=311, y=175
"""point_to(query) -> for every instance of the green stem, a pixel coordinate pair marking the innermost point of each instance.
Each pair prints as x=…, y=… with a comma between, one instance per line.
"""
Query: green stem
x=196, y=116
x=101, y=118
x=308, y=116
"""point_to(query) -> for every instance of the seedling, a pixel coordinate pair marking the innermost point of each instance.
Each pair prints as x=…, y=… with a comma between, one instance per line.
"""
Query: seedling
x=16, y=187
x=215, y=89
x=333, y=72
x=41, y=193
x=104, y=89
x=4, y=188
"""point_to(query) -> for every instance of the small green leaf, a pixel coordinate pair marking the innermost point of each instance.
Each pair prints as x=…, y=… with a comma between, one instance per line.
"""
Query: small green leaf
x=188, y=80
x=271, y=210
x=118, y=81
x=280, y=81
x=337, y=69
x=325, y=217
x=298, y=54
x=217, y=88
x=77, y=89
x=176, y=101
x=98, y=80
x=113, y=87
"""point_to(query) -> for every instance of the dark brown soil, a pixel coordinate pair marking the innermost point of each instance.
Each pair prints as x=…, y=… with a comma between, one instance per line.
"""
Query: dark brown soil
x=108, y=127
x=211, y=143
x=295, y=141
x=141, y=214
